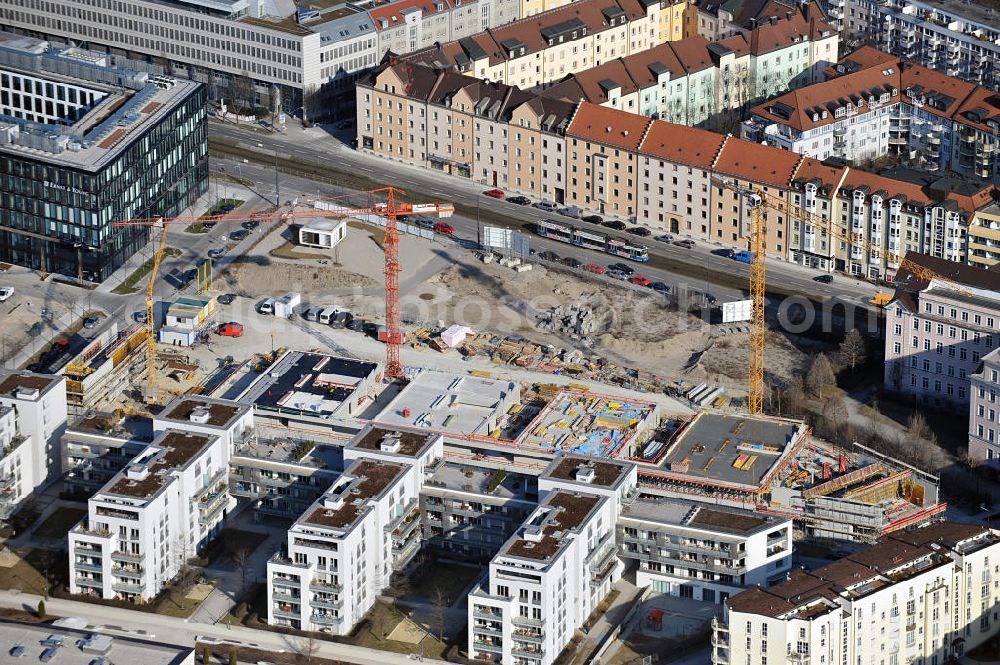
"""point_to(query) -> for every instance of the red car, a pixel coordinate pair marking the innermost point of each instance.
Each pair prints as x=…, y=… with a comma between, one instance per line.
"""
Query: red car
x=444, y=227
x=494, y=193
x=231, y=329
x=640, y=280
x=594, y=268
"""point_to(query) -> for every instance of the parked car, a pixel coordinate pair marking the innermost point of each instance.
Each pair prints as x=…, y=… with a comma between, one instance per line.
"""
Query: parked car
x=494, y=193
x=640, y=280
x=251, y=225
x=139, y=317
x=571, y=211
x=445, y=228
x=226, y=299
x=422, y=222
x=6, y=292
x=660, y=287
x=547, y=206
x=237, y=236
x=548, y=255
x=687, y=244
x=638, y=231
x=90, y=322
x=823, y=279
x=572, y=262
x=622, y=267
x=231, y=329
x=616, y=225
x=666, y=237
x=594, y=268
x=617, y=274
x=593, y=219
x=519, y=200
x=216, y=252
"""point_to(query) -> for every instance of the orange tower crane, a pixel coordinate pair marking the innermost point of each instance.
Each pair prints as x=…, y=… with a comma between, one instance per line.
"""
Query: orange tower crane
x=392, y=209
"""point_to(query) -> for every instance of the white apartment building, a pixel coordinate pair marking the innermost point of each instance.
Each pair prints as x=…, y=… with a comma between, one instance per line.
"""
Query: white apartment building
x=548, y=578
x=938, y=330
x=984, y=422
x=32, y=420
x=701, y=552
x=921, y=596
x=876, y=105
x=959, y=39
x=150, y=518
x=293, y=55
x=344, y=549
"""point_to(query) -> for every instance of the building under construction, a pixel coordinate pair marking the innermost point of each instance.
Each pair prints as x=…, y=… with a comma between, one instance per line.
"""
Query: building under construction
x=112, y=362
x=773, y=465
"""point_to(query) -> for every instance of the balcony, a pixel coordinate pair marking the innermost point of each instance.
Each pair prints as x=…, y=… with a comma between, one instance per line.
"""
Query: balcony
x=280, y=558
x=126, y=587
x=486, y=630
x=486, y=645
x=401, y=555
x=286, y=582
x=83, y=528
x=600, y=561
x=85, y=547
x=128, y=557
x=326, y=603
x=7, y=482
x=281, y=596
x=209, y=512
x=535, y=637
x=480, y=612
x=89, y=565
x=325, y=587
x=527, y=621
x=797, y=657
x=212, y=486
x=89, y=582
x=325, y=619
x=287, y=612
x=527, y=652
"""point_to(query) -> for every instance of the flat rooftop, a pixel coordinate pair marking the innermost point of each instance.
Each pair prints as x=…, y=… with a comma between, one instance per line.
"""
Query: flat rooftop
x=730, y=449
x=587, y=424
x=544, y=534
x=203, y=411
x=477, y=480
x=147, y=473
x=13, y=382
x=128, y=104
x=346, y=500
x=447, y=403
x=291, y=451
x=671, y=512
x=312, y=384
x=114, y=648
x=410, y=444
x=606, y=473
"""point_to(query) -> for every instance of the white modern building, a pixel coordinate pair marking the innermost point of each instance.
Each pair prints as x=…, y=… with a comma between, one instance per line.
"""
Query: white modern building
x=984, y=421
x=551, y=575
x=322, y=233
x=342, y=552
x=921, y=596
x=277, y=54
x=938, y=330
x=706, y=553
x=150, y=518
x=32, y=420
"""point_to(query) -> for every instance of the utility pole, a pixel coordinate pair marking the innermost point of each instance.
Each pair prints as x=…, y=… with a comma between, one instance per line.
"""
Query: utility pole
x=277, y=192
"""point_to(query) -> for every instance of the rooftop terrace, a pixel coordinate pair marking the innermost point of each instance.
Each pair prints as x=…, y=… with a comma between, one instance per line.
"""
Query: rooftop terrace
x=545, y=533
x=379, y=438
x=17, y=381
x=342, y=504
x=477, y=480
x=677, y=513
x=147, y=474
x=605, y=473
x=203, y=411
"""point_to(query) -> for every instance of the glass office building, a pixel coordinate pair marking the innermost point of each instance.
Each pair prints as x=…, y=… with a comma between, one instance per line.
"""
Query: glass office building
x=83, y=146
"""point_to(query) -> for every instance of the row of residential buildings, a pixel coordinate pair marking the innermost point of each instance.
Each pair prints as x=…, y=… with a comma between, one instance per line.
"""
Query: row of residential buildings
x=875, y=104
x=661, y=174
x=296, y=56
x=687, y=81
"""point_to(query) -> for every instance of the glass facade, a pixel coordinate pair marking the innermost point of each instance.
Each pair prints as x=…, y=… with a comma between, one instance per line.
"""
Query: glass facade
x=57, y=219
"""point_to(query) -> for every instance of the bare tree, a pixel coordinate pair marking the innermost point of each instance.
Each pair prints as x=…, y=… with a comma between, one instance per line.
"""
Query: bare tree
x=919, y=429
x=440, y=603
x=853, y=349
x=308, y=648
x=820, y=375
x=241, y=557
x=241, y=89
x=834, y=409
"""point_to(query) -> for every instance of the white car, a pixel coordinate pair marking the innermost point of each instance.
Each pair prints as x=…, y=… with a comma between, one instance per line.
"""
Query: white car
x=6, y=292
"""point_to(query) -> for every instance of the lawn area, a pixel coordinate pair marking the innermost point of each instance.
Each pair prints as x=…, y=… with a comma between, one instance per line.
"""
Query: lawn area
x=60, y=522
x=22, y=575
x=451, y=578
x=178, y=605
x=222, y=207
x=129, y=285
x=381, y=620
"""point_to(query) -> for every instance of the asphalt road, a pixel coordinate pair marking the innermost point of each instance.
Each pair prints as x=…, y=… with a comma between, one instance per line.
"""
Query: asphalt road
x=330, y=166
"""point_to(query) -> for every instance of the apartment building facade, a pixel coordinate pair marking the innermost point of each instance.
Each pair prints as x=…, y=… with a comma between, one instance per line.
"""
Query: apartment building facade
x=939, y=329
x=303, y=62
x=957, y=39
x=878, y=105
x=925, y=595
x=984, y=425
x=704, y=553
x=983, y=237
x=694, y=80
x=32, y=419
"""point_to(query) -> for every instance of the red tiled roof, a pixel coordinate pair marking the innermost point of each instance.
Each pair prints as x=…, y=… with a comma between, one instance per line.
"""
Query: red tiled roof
x=608, y=126
x=394, y=12
x=693, y=53
x=893, y=188
x=812, y=169
x=757, y=163
x=864, y=58
x=684, y=145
